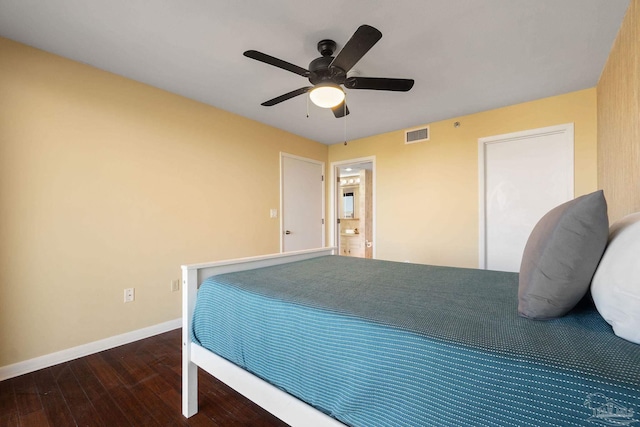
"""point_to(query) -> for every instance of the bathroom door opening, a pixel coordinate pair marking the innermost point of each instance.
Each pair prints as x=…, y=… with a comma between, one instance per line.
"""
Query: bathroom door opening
x=353, y=212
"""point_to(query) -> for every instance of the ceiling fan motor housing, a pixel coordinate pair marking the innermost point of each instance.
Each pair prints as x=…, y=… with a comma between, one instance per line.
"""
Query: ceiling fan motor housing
x=319, y=69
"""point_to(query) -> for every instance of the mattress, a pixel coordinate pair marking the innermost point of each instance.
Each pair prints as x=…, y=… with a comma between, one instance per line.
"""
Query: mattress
x=379, y=343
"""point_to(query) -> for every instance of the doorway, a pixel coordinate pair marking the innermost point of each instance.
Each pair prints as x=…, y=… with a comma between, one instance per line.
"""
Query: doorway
x=301, y=203
x=353, y=207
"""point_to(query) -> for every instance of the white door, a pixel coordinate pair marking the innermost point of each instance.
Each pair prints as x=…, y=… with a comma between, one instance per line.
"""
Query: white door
x=302, y=203
x=523, y=175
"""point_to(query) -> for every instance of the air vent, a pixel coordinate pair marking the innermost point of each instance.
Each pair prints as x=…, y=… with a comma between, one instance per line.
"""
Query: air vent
x=412, y=136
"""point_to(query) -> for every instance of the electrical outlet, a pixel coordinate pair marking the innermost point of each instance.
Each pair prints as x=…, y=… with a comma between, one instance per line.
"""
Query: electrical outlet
x=129, y=295
x=175, y=285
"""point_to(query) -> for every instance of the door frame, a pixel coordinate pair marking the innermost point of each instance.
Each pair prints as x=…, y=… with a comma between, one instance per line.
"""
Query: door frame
x=322, y=166
x=566, y=129
x=333, y=197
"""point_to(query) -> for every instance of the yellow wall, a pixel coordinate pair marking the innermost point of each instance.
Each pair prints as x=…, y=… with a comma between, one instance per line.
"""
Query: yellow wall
x=619, y=119
x=427, y=193
x=105, y=184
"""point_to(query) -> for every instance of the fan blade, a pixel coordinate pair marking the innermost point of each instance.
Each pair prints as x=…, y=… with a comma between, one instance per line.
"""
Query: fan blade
x=340, y=110
x=360, y=42
x=286, y=96
x=268, y=59
x=378, y=83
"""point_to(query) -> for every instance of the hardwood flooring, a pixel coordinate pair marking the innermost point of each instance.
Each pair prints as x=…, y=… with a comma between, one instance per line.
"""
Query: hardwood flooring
x=137, y=384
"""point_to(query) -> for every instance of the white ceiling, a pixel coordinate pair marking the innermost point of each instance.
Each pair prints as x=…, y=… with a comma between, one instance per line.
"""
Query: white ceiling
x=464, y=55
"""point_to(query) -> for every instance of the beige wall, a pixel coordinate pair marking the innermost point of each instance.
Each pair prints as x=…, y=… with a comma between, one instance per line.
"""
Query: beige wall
x=105, y=184
x=427, y=193
x=619, y=119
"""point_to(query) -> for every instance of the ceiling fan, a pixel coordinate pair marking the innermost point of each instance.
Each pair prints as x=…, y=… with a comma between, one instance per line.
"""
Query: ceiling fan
x=327, y=73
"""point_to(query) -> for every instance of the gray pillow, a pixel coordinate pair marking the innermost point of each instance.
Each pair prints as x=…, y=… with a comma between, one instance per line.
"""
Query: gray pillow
x=561, y=256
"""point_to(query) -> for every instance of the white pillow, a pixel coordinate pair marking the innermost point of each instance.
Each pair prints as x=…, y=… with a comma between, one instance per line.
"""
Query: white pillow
x=616, y=284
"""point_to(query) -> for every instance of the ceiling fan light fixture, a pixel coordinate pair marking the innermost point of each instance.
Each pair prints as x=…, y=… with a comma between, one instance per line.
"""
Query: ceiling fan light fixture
x=327, y=96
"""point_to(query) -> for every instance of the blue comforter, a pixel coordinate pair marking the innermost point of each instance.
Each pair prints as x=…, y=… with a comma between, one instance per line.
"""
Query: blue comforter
x=378, y=343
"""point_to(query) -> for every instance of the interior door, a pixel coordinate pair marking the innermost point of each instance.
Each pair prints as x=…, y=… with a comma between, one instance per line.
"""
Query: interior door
x=522, y=176
x=302, y=203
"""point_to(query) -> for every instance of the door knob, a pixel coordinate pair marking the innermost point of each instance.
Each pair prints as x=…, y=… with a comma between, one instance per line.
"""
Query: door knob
x=287, y=232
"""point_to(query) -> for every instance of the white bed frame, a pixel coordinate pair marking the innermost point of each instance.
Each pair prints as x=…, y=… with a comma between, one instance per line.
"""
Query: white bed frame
x=281, y=404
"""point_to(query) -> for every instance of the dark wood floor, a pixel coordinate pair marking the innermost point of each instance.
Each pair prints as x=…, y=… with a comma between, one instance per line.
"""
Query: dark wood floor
x=137, y=384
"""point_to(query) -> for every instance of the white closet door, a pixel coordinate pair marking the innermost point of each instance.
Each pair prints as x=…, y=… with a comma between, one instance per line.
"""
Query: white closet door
x=522, y=176
x=302, y=203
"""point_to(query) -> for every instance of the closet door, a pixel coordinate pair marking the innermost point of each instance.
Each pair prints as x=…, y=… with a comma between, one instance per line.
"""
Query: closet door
x=523, y=175
x=302, y=203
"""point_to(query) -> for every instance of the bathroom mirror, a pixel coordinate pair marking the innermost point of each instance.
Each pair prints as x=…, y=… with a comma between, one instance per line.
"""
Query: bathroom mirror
x=349, y=203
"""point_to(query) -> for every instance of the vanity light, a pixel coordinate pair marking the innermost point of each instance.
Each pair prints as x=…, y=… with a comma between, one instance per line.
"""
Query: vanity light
x=326, y=95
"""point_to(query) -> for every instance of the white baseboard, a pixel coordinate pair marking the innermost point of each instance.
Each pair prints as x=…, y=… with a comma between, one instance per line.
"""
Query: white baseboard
x=62, y=356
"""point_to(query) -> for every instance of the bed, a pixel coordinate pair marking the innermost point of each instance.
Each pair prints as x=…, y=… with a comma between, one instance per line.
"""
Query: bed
x=318, y=339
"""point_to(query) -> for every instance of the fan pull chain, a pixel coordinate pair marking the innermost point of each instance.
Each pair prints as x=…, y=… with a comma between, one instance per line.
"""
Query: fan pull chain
x=308, y=96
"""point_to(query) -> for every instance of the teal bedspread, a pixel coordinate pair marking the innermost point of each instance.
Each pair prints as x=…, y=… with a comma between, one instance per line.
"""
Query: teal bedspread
x=378, y=343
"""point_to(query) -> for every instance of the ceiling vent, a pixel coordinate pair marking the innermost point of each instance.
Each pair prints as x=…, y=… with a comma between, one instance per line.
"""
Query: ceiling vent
x=412, y=136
